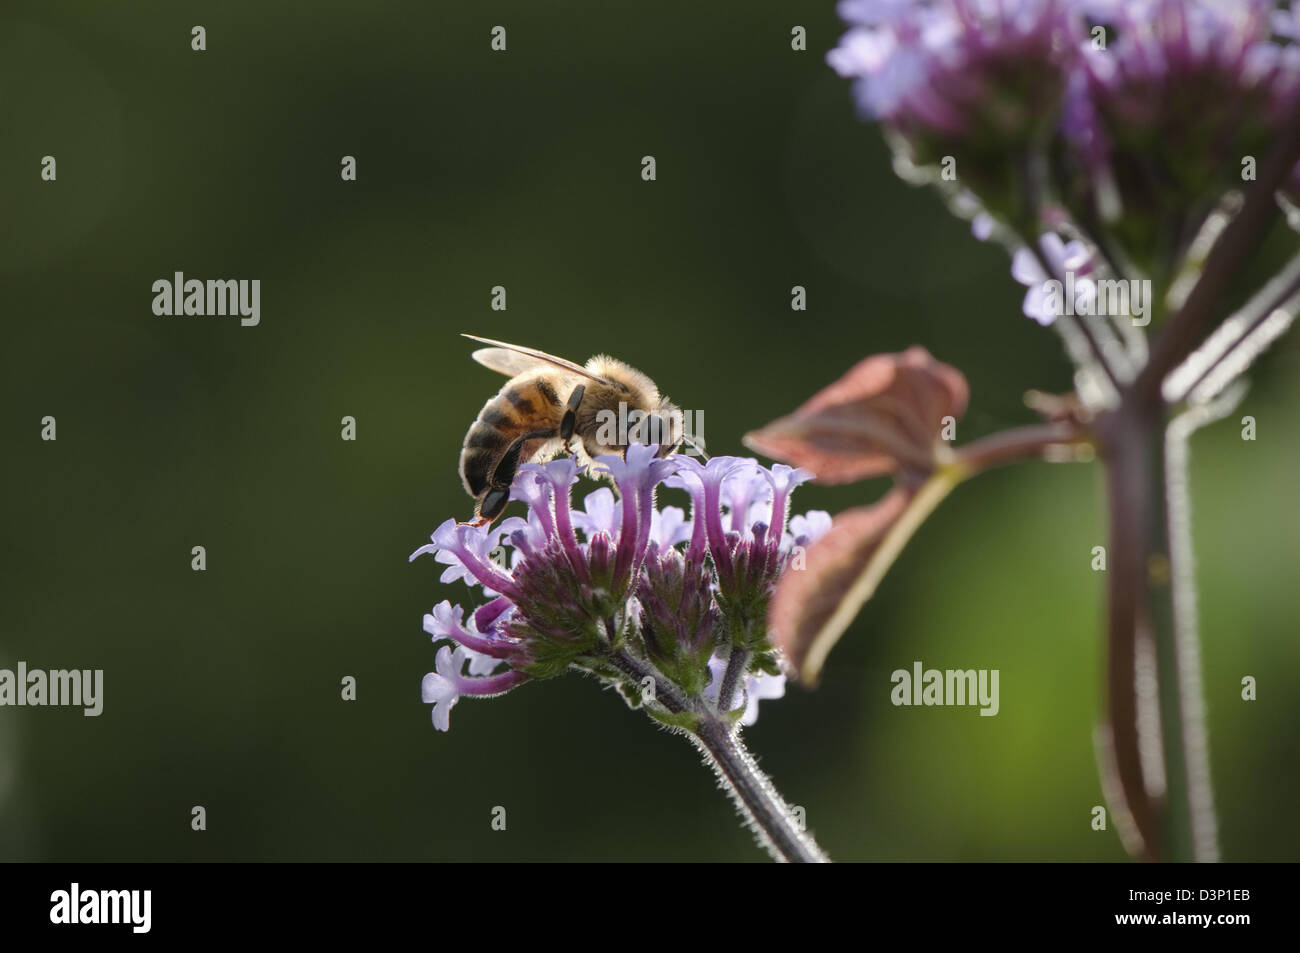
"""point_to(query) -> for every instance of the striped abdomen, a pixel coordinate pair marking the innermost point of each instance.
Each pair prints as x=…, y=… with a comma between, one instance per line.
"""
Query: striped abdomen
x=524, y=405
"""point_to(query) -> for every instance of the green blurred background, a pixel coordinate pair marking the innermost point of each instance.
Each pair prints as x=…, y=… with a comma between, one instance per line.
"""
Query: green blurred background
x=523, y=169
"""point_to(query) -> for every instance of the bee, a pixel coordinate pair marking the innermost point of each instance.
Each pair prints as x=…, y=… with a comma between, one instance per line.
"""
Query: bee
x=546, y=404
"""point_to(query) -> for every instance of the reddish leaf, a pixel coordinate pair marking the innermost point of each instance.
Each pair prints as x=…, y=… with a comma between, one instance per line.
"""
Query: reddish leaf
x=884, y=415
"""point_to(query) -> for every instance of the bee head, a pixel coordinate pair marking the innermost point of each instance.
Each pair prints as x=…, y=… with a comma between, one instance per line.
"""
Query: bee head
x=662, y=426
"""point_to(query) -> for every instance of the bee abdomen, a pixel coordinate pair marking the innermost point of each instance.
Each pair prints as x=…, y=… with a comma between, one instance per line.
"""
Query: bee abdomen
x=476, y=470
x=485, y=437
x=520, y=407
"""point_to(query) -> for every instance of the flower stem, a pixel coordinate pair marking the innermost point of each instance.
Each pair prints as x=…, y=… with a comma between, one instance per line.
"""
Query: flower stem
x=769, y=817
x=771, y=820
x=736, y=663
x=1239, y=240
x=1156, y=709
x=1019, y=443
x=1089, y=353
x=1235, y=344
x=666, y=693
x=1174, y=841
x=1133, y=479
x=1202, y=822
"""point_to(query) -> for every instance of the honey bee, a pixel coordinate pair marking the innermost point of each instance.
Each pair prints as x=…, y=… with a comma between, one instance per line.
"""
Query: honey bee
x=548, y=402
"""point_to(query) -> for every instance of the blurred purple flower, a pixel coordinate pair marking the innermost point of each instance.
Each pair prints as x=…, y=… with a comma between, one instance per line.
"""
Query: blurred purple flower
x=1071, y=257
x=941, y=66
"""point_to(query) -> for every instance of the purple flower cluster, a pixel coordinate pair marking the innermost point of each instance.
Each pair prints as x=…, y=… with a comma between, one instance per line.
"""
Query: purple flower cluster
x=621, y=588
x=1136, y=115
x=935, y=64
x=1241, y=52
x=940, y=65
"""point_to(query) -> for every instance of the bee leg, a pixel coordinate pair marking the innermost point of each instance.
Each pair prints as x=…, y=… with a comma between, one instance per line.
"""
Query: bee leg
x=490, y=507
x=570, y=418
x=497, y=494
x=504, y=474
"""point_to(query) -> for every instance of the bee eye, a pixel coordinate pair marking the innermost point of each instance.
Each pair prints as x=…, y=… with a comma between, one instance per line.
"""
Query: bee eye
x=664, y=432
x=636, y=426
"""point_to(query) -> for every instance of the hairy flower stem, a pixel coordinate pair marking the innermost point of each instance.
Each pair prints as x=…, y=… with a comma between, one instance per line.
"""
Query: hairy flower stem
x=1020, y=443
x=1080, y=338
x=665, y=692
x=771, y=820
x=736, y=664
x=1155, y=713
x=1132, y=478
x=1239, y=240
x=1170, y=801
x=1200, y=789
x=1155, y=737
x=768, y=815
x=1176, y=833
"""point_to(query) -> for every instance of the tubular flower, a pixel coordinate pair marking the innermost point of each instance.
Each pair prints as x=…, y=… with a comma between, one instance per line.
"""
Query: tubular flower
x=619, y=587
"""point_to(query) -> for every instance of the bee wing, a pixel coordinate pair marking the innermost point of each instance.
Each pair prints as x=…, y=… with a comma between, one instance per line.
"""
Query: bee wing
x=514, y=359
